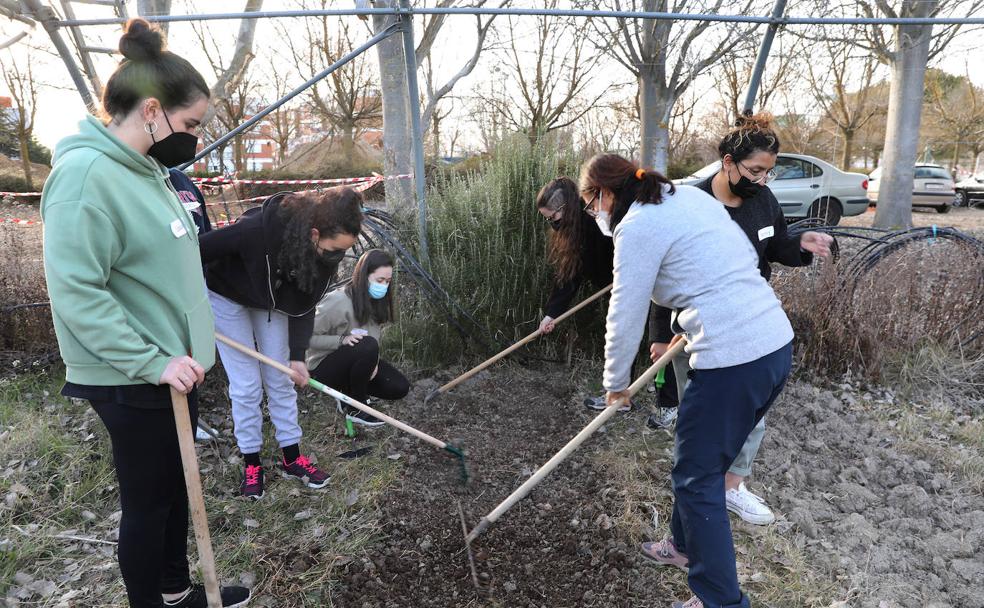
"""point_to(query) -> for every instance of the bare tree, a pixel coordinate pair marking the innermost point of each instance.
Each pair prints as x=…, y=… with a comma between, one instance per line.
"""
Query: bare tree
x=843, y=88
x=348, y=99
x=735, y=71
x=283, y=121
x=666, y=56
x=958, y=113
x=24, y=93
x=552, y=78
x=906, y=49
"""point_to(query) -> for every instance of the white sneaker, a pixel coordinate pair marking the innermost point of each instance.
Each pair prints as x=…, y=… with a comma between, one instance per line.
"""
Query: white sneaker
x=662, y=418
x=201, y=434
x=749, y=506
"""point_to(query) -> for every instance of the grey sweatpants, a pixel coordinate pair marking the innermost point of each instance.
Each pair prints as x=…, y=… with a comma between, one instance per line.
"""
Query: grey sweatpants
x=248, y=377
x=742, y=465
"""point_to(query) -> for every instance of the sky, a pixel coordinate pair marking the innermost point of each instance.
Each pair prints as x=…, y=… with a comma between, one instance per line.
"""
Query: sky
x=60, y=107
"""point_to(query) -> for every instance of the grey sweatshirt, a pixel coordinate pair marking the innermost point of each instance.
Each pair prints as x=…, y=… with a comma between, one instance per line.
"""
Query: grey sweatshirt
x=686, y=253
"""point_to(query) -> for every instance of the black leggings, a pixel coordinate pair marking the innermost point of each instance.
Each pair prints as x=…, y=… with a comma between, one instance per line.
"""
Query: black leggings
x=153, y=547
x=348, y=369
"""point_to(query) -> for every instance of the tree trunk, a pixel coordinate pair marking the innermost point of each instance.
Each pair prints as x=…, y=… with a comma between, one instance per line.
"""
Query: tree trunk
x=153, y=8
x=902, y=126
x=956, y=157
x=848, y=149
x=26, y=162
x=654, y=110
x=397, y=140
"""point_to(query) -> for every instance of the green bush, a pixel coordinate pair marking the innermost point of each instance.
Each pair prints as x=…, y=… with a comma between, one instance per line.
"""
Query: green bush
x=487, y=250
x=16, y=183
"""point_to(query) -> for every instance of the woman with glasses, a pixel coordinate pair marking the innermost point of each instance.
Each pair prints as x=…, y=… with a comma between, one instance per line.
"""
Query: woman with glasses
x=676, y=246
x=578, y=251
x=748, y=156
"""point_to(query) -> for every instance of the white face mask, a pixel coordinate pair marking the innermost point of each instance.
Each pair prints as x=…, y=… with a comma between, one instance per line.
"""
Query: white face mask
x=604, y=223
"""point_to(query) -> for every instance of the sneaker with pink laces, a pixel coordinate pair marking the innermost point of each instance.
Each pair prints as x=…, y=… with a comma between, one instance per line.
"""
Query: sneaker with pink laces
x=304, y=470
x=693, y=602
x=252, y=485
x=665, y=553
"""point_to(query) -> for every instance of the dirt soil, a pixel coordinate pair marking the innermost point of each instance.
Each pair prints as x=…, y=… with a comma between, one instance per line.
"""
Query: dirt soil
x=870, y=504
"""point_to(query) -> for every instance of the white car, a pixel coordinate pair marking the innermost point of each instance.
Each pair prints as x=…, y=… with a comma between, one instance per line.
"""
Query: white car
x=808, y=187
x=932, y=187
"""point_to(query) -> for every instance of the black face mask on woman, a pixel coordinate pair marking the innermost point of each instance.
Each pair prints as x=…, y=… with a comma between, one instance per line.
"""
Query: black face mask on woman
x=175, y=149
x=745, y=188
x=555, y=224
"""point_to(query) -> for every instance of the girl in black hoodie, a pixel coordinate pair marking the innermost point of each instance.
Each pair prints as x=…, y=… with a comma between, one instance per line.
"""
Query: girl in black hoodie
x=265, y=275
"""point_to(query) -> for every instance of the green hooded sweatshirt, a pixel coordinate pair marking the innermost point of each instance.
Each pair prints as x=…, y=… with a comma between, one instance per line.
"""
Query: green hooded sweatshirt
x=122, y=264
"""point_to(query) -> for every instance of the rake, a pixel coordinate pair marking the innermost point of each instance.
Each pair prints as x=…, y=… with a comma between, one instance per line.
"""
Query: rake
x=533, y=336
x=327, y=390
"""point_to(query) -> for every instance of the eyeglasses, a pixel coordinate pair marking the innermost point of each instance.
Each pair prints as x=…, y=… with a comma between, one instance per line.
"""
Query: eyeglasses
x=759, y=177
x=553, y=216
x=589, y=207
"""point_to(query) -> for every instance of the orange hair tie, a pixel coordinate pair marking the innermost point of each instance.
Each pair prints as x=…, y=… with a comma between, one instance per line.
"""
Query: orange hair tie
x=640, y=173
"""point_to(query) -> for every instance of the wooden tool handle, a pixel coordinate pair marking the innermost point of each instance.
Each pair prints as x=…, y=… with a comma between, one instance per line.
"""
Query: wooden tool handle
x=332, y=392
x=578, y=439
x=196, y=500
x=533, y=336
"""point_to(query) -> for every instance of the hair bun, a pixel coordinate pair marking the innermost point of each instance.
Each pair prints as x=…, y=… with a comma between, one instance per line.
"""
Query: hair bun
x=758, y=122
x=141, y=42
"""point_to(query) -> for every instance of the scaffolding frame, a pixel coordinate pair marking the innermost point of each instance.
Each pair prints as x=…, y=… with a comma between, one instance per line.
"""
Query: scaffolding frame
x=403, y=25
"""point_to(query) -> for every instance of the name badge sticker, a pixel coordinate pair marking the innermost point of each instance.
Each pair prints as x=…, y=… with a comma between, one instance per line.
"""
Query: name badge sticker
x=767, y=232
x=178, y=229
x=191, y=205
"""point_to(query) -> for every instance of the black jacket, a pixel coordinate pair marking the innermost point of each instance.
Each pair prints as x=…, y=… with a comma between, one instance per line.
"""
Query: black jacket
x=597, y=260
x=192, y=199
x=762, y=221
x=241, y=264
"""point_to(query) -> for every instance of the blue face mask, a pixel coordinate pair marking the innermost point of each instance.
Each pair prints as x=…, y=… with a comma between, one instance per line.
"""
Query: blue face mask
x=377, y=291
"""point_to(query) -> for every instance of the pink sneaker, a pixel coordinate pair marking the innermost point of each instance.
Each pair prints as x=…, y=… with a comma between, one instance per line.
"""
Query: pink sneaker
x=665, y=553
x=693, y=602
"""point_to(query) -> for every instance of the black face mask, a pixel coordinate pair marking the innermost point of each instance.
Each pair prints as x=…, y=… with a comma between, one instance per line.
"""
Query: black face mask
x=175, y=149
x=331, y=258
x=555, y=224
x=745, y=188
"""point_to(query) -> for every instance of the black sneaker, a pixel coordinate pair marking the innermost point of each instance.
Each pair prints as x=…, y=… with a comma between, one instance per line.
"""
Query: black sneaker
x=358, y=416
x=306, y=471
x=252, y=485
x=598, y=403
x=662, y=418
x=231, y=598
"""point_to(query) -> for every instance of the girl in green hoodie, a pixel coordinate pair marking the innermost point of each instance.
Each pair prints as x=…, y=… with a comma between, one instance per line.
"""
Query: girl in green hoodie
x=129, y=303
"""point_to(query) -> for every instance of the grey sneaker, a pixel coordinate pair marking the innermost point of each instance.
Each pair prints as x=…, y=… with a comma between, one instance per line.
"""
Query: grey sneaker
x=662, y=418
x=598, y=403
x=693, y=602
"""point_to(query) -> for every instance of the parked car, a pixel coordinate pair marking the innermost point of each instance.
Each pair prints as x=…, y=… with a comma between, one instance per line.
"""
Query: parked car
x=808, y=187
x=932, y=187
x=969, y=191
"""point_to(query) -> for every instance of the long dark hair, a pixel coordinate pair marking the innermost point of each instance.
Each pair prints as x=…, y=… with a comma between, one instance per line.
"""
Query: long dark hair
x=564, y=248
x=752, y=133
x=629, y=182
x=148, y=70
x=381, y=311
x=332, y=212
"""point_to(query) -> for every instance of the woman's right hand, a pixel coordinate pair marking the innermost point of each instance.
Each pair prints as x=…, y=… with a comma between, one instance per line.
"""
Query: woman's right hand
x=183, y=373
x=657, y=350
x=547, y=325
x=351, y=339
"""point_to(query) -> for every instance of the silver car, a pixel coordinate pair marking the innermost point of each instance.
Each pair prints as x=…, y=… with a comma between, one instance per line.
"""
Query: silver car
x=808, y=187
x=932, y=187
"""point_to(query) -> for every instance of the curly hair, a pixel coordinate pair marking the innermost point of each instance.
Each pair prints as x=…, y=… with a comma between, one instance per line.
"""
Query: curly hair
x=752, y=133
x=564, y=247
x=331, y=212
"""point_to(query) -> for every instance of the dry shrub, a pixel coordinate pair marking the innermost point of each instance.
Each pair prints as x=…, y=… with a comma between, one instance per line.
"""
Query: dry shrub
x=24, y=330
x=880, y=310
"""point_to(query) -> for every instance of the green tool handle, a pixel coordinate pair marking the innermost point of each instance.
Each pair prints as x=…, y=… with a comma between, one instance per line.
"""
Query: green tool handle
x=661, y=377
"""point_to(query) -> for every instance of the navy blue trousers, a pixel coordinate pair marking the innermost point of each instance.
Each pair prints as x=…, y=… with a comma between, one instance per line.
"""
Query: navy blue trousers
x=718, y=411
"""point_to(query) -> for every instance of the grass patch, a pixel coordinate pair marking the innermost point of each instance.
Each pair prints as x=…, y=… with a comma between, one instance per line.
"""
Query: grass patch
x=58, y=486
